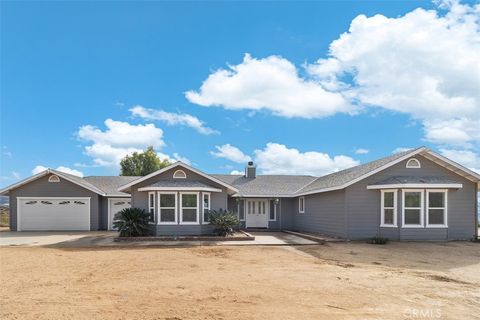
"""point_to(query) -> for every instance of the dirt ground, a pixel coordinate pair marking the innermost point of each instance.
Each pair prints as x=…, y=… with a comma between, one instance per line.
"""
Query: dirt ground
x=332, y=281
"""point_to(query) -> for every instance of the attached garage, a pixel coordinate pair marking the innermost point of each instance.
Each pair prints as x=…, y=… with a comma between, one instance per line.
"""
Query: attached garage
x=53, y=213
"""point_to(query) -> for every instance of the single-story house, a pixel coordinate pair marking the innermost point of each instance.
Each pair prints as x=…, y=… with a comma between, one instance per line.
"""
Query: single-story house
x=413, y=195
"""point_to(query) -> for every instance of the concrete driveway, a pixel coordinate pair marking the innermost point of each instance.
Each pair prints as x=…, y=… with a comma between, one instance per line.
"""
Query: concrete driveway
x=47, y=238
x=105, y=239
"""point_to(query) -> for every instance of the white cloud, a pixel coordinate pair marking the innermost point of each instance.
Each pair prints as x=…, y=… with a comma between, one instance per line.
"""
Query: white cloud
x=231, y=153
x=401, y=149
x=74, y=172
x=457, y=132
x=272, y=83
x=361, y=151
x=118, y=140
x=174, y=158
x=466, y=158
x=236, y=172
x=278, y=159
x=123, y=134
x=424, y=64
x=15, y=175
x=172, y=118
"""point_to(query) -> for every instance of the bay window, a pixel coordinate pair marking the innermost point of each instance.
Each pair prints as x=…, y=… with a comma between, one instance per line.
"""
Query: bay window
x=412, y=208
x=437, y=208
x=167, y=208
x=189, y=207
x=389, y=208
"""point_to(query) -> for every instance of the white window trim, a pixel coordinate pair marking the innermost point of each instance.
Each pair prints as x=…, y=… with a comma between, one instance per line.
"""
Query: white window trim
x=160, y=209
x=422, y=208
x=149, y=205
x=382, y=208
x=301, y=199
x=180, y=172
x=203, y=206
x=244, y=209
x=445, y=209
x=181, y=208
x=413, y=167
x=274, y=211
x=54, y=178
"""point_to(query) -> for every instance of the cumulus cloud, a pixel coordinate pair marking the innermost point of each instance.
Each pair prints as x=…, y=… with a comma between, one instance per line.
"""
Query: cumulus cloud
x=424, y=64
x=236, y=172
x=229, y=152
x=119, y=138
x=277, y=158
x=273, y=84
x=74, y=172
x=172, y=119
x=466, y=158
x=361, y=151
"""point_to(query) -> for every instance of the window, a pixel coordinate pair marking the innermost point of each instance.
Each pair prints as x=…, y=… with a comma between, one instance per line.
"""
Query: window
x=30, y=202
x=151, y=206
x=241, y=210
x=46, y=202
x=179, y=174
x=53, y=178
x=389, y=208
x=189, y=208
x=78, y=202
x=167, y=208
x=64, y=202
x=206, y=207
x=272, y=215
x=413, y=163
x=412, y=208
x=437, y=208
x=301, y=205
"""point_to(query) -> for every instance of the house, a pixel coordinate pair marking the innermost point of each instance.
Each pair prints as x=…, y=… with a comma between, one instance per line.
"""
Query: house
x=412, y=195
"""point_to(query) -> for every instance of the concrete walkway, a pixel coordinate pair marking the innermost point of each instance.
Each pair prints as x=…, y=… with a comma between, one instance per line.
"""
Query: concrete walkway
x=105, y=239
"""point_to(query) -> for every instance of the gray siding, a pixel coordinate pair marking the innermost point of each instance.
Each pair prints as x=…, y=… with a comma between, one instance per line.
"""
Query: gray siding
x=324, y=213
x=218, y=200
x=42, y=188
x=363, y=206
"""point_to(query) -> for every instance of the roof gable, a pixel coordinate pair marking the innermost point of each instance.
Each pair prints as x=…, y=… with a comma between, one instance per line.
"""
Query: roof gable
x=69, y=177
x=125, y=187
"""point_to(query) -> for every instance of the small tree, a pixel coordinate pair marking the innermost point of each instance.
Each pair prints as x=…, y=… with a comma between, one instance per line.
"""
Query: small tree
x=224, y=222
x=142, y=163
x=131, y=222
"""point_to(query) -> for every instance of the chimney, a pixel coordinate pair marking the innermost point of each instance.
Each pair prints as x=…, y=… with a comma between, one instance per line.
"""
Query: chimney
x=250, y=170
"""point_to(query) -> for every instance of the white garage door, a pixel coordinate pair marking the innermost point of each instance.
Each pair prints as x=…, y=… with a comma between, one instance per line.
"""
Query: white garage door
x=45, y=214
x=116, y=205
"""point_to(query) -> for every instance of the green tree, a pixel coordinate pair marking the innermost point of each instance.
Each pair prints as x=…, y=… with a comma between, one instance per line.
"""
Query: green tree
x=142, y=163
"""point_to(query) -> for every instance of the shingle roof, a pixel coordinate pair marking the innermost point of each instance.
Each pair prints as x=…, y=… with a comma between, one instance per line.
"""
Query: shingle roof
x=109, y=184
x=340, y=178
x=416, y=180
x=266, y=185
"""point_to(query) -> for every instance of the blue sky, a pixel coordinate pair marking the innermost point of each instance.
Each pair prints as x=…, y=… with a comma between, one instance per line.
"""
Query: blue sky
x=257, y=89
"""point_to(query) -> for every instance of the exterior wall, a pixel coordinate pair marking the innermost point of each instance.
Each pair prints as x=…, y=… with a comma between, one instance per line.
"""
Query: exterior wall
x=42, y=188
x=218, y=200
x=324, y=213
x=363, y=207
x=286, y=208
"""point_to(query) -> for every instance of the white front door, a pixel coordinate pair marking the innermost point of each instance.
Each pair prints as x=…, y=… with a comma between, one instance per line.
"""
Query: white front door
x=114, y=206
x=257, y=213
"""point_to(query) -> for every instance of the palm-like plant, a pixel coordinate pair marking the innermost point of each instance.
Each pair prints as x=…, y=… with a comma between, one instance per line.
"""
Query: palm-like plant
x=224, y=222
x=132, y=222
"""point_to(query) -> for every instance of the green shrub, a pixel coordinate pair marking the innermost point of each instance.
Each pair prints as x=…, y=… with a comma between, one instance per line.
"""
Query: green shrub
x=132, y=222
x=378, y=240
x=224, y=222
